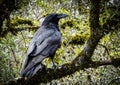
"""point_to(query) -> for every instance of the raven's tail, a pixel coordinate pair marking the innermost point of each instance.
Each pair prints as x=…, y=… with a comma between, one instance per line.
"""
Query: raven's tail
x=32, y=65
x=30, y=71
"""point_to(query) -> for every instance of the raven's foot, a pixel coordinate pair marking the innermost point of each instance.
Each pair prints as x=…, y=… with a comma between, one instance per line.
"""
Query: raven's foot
x=54, y=66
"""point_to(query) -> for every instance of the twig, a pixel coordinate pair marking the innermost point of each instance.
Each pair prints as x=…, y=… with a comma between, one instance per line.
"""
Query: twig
x=105, y=48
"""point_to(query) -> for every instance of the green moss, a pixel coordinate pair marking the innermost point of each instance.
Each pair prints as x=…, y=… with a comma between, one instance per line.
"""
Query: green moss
x=77, y=39
x=19, y=21
x=71, y=23
x=14, y=25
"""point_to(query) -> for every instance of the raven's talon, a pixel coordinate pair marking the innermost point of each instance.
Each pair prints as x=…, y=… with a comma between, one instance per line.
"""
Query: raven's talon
x=54, y=67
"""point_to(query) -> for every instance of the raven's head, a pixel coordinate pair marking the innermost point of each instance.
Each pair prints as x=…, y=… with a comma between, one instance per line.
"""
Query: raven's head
x=53, y=18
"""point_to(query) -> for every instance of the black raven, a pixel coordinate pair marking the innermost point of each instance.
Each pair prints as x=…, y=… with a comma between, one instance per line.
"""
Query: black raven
x=44, y=44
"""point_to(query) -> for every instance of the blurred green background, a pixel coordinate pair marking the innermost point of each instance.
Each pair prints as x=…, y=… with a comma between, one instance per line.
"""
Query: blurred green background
x=75, y=31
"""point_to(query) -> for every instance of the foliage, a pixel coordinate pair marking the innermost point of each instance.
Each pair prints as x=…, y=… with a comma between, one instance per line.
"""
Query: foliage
x=75, y=33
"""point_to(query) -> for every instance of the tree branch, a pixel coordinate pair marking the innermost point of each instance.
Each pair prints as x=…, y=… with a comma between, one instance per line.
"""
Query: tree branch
x=44, y=76
x=16, y=30
x=114, y=62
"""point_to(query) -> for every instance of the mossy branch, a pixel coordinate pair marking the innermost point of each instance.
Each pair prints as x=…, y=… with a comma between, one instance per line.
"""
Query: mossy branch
x=14, y=31
x=48, y=74
x=16, y=25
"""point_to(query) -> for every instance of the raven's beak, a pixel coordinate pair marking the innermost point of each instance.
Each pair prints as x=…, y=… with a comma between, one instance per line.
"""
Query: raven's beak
x=62, y=16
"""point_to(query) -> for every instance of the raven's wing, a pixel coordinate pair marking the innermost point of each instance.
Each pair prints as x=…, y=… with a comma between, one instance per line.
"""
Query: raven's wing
x=41, y=35
x=42, y=46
